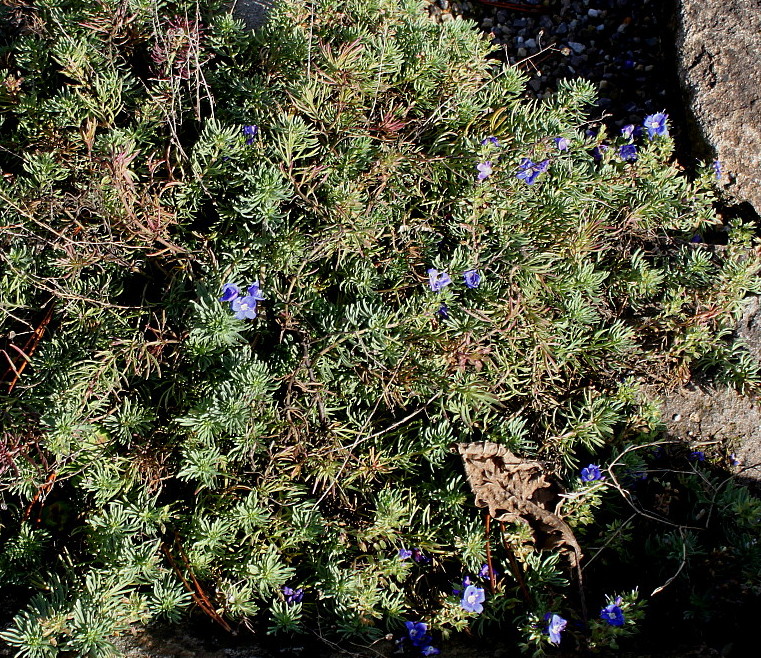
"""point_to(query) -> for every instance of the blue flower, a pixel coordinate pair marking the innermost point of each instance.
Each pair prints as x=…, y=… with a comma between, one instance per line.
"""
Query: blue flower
x=698, y=455
x=292, y=595
x=473, y=598
x=717, y=169
x=656, y=125
x=562, y=143
x=598, y=151
x=613, y=615
x=229, y=292
x=472, y=278
x=443, y=312
x=555, y=627
x=405, y=554
x=484, y=170
x=529, y=171
x=430, y=651
x=483, y=572
x=245, y=307
x=630, y=131
x=419, y=556
x=438, y=280
x=733, y=460
x=490, y=140
x=628, y=152
x=250, y=132
x=591, y=473
x=417, y=631
x=466, y=582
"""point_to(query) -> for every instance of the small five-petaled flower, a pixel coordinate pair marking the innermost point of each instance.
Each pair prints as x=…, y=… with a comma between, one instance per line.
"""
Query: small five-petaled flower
x=417, y=631
x=656, y=125
x=484, y=170
x=613, y=614
x=628, y=152
x=472, y=278
x=438, y=280
x=472, y=599
x=529, y=171
x=562, y=143
x=555, y=627
x=591, y=473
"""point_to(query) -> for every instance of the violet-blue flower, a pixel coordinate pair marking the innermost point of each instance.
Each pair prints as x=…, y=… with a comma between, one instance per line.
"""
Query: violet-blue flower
x=562, y=143
x=473, y=598
x=419, y=556
x=628, y=152
x=555, y=627
x=591, y=473
x=717, y=169
x=613, y=615
x=598, y=151
x=628, y=130
x=430, y=651
x=472, y=278
x=292, y=595
x=244, y=307
x=484, y=170
x=229, y=292
x=656, y=125
x=698, y=456
x=405, y=554
x=417, y=631
x=466, y=582
x=438, y=280
x=250, y=132
x=483, y=572
x=491, y=139
x=443, y=312
x=528, y=171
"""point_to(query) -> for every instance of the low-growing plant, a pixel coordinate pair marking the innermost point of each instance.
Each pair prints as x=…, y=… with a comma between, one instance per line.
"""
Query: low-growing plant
x=256, y=285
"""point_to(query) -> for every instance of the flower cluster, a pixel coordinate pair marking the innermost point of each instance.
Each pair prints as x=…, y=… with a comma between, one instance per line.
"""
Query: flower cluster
x=415, y=553
x=244, y=306
x=292, y=595
x=529, y=171
x=437, y=281
x=250, y=133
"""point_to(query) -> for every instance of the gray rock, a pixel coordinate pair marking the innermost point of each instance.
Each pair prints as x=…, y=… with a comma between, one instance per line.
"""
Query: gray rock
x=719, y=62
x=252, y=12
x=578, y=48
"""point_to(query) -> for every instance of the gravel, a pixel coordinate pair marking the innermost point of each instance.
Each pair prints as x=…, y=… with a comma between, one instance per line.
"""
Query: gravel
x=614, y=43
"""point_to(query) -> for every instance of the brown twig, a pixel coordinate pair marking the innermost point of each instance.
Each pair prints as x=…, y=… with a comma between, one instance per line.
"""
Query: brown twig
x=29, y=349
x=196, y=591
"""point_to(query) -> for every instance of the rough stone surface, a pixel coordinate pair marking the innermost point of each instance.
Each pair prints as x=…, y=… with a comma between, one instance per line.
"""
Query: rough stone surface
x=252, y=12
x=719, y=60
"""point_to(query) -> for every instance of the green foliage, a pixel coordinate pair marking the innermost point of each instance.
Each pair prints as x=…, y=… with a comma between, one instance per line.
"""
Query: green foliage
x=170, y=452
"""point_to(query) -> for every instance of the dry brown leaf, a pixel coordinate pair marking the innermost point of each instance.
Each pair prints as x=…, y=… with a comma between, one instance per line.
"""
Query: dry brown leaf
x=515, y=490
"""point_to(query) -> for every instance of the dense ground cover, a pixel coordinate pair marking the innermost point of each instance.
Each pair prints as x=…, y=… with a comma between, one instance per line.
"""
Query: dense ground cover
x=256, y=287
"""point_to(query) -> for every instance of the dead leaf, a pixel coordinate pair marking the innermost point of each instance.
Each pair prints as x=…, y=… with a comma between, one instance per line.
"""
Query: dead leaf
x=516, y=490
